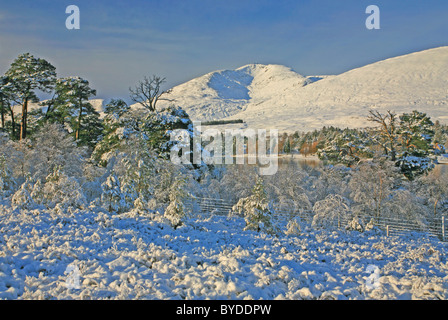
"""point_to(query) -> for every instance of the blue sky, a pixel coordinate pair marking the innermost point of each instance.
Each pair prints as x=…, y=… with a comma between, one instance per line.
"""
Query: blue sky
x=121, y=41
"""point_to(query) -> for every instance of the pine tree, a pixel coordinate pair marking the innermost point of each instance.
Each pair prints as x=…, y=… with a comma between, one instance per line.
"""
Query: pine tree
x=158, y=125
x=118, y=125
x=257, y=210
x=287, y=145
x=136, y=169
x=71, y=107
x=416, y=133
x=345, y=147
x=26, y=75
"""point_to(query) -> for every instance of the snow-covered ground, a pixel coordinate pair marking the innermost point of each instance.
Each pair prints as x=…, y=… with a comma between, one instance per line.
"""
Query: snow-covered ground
x=139, y=256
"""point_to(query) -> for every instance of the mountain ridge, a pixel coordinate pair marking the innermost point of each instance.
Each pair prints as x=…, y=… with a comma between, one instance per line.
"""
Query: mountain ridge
x=275, y=96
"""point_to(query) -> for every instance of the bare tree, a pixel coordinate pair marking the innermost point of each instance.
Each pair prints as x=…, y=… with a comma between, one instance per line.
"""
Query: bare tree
x=388, y=131
x=149, y=91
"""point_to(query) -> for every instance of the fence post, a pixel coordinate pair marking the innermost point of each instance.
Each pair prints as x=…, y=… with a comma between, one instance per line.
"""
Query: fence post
x=443, y=228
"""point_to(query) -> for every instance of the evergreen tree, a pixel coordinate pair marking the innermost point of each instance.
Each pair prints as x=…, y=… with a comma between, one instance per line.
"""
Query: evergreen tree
x=257, y=210
x=416, y=134
x=119, y=124
x=345, y=147
x=73, y=108
x=287, y=145
x=26, y=75
x=157, y=127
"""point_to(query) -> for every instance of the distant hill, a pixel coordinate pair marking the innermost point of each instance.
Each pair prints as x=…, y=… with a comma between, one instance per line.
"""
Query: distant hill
x=274, y=96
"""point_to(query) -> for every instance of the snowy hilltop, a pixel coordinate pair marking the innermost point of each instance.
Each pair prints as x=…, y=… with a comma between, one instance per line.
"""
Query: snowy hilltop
x=274, y=96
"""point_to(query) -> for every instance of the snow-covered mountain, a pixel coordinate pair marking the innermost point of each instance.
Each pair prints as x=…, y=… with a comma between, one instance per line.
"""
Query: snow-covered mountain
x=274, y=96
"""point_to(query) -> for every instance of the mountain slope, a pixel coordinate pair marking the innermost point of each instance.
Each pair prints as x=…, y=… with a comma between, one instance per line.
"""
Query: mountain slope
x=224, y=93
x=274, y=96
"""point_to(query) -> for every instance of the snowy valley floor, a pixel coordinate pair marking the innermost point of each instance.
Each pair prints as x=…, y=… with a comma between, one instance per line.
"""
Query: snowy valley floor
x=132, y=256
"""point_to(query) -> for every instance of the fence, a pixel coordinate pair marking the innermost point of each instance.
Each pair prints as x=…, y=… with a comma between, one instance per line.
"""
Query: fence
x=432, y=227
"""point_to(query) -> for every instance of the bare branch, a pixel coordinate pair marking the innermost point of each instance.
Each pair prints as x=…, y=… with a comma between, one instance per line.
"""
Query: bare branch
x=148, y=92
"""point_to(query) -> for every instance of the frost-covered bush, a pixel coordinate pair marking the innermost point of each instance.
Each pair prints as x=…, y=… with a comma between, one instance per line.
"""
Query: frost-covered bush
x=371, y=185
x=328, y=180
x=237, y=181
x=332, y=211
x=257, y=210
x=294, y=228
x=112, y=198
x=139, y=179
x=7, y=182
x=434, y=188
x=53, y=147
x=356, y=224
x=176, y=210
x=22, y=198
x=61, y=190
x=406, y=206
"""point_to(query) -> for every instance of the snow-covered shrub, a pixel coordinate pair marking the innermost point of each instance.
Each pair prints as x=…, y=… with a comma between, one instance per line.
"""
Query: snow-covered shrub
x=93, y=177
x=112, y=198
x=331, y=211
x=356, y=224
x=62, y=190
x=257, y=210
x=22, y=198
x=176, y=211
x=407, y=207
x=136, y=170
x=293, y=228
x=371, y=185
x=434, y=188
x=13, y=154
x=7, y=182
x=370, y=225
x=53, y=147
x=329, y=180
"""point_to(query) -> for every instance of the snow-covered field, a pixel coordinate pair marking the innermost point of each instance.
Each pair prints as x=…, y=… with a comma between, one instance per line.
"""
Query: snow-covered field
x=139, y=256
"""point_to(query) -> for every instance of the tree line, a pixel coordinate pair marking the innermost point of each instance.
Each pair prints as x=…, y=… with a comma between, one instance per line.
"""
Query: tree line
x=411, y=140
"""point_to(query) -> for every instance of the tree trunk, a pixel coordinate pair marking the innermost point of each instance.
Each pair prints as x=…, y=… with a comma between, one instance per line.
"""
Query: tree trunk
x=435, y=207
x=78, y=129
x=13, y=121
x=2, y=110
x=24, y=119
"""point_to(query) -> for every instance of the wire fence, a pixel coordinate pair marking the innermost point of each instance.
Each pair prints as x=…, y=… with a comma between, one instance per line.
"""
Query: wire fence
x=435, y=227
